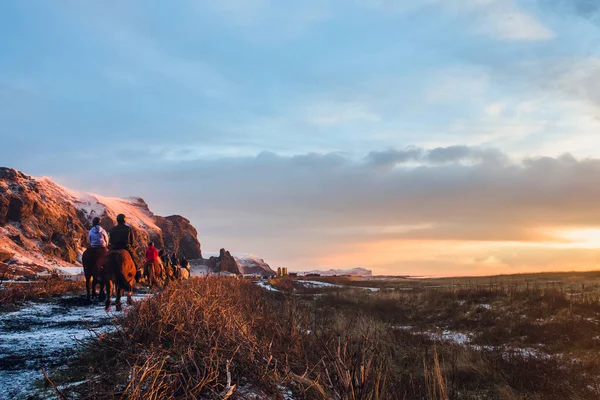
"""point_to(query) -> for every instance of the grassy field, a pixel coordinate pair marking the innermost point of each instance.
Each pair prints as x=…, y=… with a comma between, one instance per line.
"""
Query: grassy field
x=509, y=337
x=14, y=294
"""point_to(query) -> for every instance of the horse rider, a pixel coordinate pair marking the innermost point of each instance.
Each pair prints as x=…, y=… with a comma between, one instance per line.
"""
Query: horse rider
x=152, y=258
x=184, y=263
x=98, y=237
x=123, y=238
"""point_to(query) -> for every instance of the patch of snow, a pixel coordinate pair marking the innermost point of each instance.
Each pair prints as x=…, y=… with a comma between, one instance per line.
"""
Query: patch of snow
x=402, y=327
x=448, y=336
x=265, y=285
x=316, y=284
x=43, y=335
x=286, y=393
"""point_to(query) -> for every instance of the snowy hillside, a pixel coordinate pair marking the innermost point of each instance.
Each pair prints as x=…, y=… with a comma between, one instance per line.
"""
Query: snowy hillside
x=43, y=225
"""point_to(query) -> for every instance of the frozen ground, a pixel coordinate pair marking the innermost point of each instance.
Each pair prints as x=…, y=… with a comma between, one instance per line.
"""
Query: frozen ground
x=44, y=335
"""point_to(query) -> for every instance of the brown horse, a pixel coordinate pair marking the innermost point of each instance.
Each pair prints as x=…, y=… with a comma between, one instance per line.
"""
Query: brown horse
x=154, y=272
x=119, y=269
x=93, y=260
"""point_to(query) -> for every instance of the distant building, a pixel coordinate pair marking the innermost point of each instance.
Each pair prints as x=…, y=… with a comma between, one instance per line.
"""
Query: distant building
x=313, y=274
x=293, y=274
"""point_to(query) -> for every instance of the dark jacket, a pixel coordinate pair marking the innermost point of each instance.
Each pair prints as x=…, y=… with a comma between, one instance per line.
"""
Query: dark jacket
x=122, y=238
x=184, y=263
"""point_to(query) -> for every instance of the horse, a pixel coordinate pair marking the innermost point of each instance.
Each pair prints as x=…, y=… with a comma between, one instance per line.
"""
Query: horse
x=153, y=272
x=119, y=269
x=93, y=260
x=184, y=274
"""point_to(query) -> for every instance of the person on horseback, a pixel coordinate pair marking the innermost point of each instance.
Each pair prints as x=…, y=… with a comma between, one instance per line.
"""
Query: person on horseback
x=153, y=261
x=123, y=238
x=184, y=263
x=97, y=237
x=151, y=253
x=166, y=262
x=175, y=264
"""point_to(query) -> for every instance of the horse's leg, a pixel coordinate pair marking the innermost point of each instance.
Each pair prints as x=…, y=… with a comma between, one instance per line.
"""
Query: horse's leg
x=108, y=290
x=118, y=292
x=151, y=275
x=94, y=283
x=129, y=294
x=102, y=294
x=88, y=284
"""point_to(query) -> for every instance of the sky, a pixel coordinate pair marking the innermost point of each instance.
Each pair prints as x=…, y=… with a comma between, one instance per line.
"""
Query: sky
x=430, y=137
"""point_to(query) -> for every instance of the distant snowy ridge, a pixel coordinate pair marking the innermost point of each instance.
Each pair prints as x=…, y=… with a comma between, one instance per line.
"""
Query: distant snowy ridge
x=332, y=272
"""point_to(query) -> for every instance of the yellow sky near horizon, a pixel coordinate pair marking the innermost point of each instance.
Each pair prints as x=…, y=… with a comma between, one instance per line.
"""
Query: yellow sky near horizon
x=574, y=250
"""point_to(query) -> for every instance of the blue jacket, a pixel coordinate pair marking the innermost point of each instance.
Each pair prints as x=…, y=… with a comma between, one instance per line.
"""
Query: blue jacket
x=98, y=237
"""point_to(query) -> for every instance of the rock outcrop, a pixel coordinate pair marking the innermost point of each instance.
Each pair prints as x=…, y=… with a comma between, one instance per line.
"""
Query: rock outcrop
x=43, y=224
x=223, y=263
x=238, y=264
x=179, y=236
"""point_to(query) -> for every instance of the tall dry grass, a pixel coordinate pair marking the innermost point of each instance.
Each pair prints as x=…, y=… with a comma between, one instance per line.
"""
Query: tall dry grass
x=224, y=338
x=14, y=293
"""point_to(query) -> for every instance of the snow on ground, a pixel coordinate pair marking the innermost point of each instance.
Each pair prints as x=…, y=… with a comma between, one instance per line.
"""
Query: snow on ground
x=265, y=285
x=317, y=284
x=43, y=335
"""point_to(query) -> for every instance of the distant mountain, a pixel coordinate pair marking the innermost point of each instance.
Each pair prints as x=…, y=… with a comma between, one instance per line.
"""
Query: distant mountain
x=44, y=226
x=332, y=272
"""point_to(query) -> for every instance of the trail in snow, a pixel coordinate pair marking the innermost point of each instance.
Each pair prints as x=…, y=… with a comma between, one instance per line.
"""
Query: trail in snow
x=44, y=335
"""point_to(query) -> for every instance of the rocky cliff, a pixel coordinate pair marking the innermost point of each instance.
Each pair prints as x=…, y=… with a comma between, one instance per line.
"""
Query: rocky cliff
x=179, y=235
x=44, y=225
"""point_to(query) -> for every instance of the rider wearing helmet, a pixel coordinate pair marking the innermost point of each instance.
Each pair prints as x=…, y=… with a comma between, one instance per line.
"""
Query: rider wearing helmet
x=123, y=238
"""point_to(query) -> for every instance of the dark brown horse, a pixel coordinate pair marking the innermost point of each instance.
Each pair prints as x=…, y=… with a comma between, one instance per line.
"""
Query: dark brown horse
x=119, y=270
x=93, y=260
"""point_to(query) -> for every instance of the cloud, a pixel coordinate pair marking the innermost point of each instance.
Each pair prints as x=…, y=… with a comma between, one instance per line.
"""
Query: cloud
x=309, y=208
x=392, y=157
x=514, y=25
x=500, y=19
x=435, y=156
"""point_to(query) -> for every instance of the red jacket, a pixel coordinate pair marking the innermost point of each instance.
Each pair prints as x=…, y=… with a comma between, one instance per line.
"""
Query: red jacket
x=151, y=254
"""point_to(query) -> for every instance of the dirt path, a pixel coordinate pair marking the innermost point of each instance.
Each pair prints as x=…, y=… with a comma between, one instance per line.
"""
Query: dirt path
x=44, y=335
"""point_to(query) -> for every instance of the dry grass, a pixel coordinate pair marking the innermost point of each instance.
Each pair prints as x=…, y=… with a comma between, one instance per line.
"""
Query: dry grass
x=220, y=338
x=224, y=338
x=13, y=294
